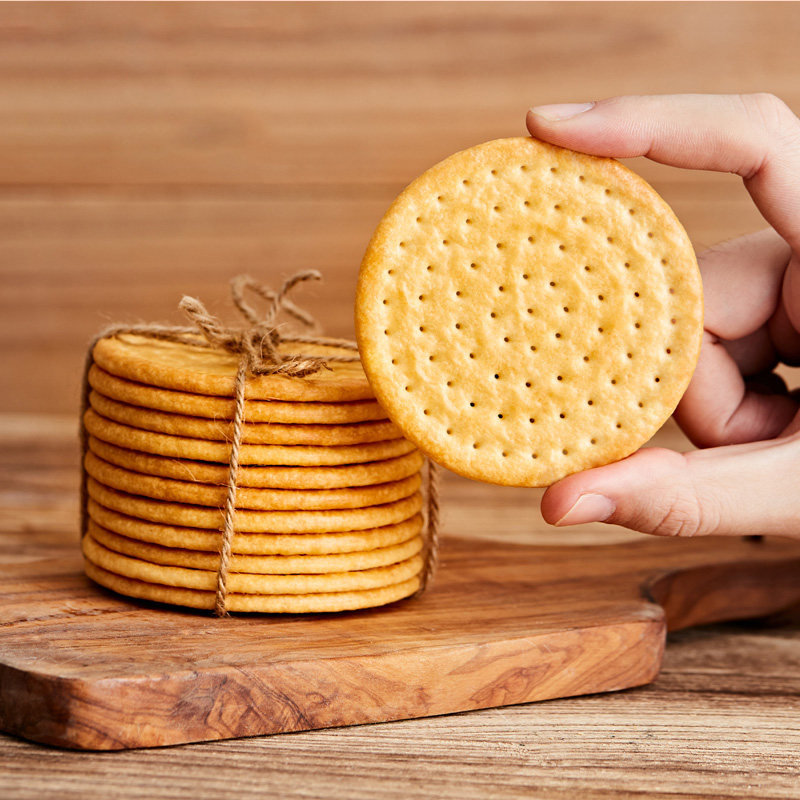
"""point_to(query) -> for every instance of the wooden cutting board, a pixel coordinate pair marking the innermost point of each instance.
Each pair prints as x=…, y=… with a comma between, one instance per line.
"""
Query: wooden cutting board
x=81, y=667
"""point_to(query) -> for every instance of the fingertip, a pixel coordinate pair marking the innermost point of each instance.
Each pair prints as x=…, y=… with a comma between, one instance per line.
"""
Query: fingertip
x=530, y=122
x=558, y=112
x=592, y=128
x=561, y=496
x=549, y=123
x=555, y=503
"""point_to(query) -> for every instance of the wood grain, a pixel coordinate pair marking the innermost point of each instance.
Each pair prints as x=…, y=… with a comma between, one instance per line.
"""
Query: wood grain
x=317, y=93
x=156, y=149
x=506, y=624
x=84, y=668
x=720, y=721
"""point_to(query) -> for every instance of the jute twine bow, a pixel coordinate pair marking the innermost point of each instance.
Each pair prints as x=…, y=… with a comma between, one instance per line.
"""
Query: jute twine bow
x=258, y=347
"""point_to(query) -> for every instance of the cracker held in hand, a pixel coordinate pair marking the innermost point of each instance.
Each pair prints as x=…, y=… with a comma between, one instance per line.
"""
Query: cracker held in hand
x=525, y=312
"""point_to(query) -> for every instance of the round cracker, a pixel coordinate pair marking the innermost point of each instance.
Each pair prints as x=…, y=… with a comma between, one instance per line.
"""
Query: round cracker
x=202, y=494
x=261, y=454
x=393, y=469
x=212, y=371
x=199, y=405
x=252, y=433
x=269, y=604
x=330, y=521
x=248, y=583
x=263, y=565
x=525, y=312
x=256, y=543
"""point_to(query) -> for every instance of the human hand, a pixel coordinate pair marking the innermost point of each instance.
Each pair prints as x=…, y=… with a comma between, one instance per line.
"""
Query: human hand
x=746, y=480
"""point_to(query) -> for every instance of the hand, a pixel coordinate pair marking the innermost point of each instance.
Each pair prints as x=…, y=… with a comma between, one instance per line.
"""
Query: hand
x=747, y=481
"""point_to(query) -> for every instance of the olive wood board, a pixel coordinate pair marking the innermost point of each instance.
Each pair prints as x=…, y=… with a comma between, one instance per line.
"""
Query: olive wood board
x=82, y=667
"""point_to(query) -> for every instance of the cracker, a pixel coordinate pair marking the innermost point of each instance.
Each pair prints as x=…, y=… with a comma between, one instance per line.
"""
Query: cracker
x=256, y=543
x=262, y=565
x=261, y=454
x=203, y=370
x=202, y=494
x=525, y=312
x=198, y=405
x=252, y=432
x=393, y=469
x=189, y=516
x=248, y=583
x=270, y=604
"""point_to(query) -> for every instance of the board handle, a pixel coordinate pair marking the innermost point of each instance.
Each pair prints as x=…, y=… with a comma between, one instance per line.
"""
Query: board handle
x=725, y=592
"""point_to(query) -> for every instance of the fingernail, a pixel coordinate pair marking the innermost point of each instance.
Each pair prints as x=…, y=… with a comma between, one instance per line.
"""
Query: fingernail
x=561, y=111
x=588, y=508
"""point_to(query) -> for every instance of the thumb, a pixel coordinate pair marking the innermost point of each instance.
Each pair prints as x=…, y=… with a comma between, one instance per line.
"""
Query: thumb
x=736, y=490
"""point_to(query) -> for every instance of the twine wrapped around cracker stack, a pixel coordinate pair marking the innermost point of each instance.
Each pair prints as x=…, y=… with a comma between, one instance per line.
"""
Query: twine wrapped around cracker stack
x=257, y=346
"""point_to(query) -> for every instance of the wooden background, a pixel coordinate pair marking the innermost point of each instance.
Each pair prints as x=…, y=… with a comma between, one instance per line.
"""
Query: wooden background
x=154, y=149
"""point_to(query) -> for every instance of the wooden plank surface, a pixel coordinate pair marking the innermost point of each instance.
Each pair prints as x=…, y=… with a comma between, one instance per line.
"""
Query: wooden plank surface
x=504, y=624
x=720, y=721
x=83, y=668
x=154, y=149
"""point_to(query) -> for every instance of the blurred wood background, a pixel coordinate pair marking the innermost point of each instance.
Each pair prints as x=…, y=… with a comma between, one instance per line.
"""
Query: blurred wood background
x=159, y=148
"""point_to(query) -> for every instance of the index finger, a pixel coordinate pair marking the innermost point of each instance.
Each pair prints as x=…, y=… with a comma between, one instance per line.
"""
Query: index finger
x=755, y=136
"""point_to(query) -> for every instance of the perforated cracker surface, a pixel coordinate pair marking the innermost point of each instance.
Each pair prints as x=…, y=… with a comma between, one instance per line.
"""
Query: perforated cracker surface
x=525, y=312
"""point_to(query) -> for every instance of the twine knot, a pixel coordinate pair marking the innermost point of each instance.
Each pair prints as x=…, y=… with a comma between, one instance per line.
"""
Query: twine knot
x=259, y=343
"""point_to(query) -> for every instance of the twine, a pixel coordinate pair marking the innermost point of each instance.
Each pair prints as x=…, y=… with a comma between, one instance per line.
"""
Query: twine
x=432, y=524
x=257, y=346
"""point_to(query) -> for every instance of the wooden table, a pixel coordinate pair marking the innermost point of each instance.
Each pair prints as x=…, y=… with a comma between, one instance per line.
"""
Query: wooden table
x=155, y=149
x=722, y=720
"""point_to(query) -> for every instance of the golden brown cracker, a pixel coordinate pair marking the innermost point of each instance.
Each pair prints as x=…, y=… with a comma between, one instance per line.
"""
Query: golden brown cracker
x=249, y=583
x=524, y=312
x=260, y=564
x=222, y=408
x=211, y=371
x=337, y=477
x=261, y=544
x=252, y=432
x=270, y=604
x=190, y=516
x=255, y=454
x=202, y=494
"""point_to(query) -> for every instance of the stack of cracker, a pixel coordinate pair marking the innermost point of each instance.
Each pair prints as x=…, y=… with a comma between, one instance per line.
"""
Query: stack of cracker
x=328, y=504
